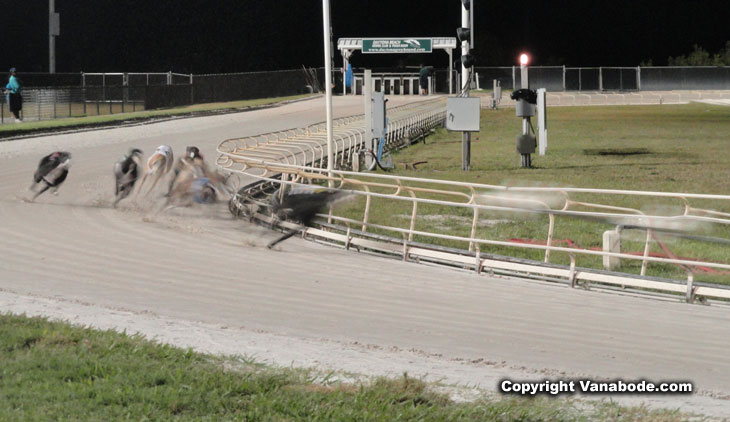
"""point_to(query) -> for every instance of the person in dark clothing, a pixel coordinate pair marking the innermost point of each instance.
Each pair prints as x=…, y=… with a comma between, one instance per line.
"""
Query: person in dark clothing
x=423, y=75
x=14, y=96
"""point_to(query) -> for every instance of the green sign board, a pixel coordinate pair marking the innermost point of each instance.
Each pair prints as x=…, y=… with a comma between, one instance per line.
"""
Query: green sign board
x=396, y=45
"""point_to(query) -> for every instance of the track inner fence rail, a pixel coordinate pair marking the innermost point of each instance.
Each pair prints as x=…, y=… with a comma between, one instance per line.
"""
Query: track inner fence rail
x=453, y=223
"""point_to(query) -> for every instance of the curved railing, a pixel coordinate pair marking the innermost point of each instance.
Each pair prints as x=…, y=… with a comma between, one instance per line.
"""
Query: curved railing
x=468, y=207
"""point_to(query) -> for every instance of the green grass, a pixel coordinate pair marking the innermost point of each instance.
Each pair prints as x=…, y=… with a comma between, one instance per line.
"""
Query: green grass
x=670, y=148
x=67, y=123
x=56, y=371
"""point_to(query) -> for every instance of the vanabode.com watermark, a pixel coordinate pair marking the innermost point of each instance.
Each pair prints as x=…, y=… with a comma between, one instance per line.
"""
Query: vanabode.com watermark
x=584, y=386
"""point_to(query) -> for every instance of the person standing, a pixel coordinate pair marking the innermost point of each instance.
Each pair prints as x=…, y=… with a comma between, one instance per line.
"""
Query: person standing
x=14, y=96
x=423, y=75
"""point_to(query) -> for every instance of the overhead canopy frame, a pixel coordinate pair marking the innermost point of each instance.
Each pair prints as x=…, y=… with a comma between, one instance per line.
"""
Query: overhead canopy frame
x=347, y=46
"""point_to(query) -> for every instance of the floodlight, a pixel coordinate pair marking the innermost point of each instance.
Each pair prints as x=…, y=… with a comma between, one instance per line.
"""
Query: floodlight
x=469, y=60
x=524, y=59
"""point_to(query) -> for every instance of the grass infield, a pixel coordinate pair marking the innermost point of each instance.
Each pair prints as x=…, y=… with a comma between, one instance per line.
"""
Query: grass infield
x=56, y=371
x=669, y=148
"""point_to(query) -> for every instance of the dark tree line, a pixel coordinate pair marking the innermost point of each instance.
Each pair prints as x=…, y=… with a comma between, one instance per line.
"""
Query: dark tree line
x=699, y=57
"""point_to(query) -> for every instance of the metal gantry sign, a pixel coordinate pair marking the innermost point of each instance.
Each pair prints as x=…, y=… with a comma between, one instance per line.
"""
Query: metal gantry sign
x=397, y=45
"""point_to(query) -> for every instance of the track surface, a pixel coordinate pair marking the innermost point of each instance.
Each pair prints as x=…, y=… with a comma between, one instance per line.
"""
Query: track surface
x=199, y=266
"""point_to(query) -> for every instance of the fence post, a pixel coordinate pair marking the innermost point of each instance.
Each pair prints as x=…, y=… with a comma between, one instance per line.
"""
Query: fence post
x=55, y=99
x=621, y=79
x=580, y=82
x=513, y=78
x=192, y=90
x=563, y=78
x=169, y=78
x=638, y=78
x=600, y=79
x=69, y=103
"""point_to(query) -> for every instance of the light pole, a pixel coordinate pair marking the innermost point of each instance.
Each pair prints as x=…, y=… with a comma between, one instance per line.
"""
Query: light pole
x=525, y=84
x=328, y=83
x=53, y=32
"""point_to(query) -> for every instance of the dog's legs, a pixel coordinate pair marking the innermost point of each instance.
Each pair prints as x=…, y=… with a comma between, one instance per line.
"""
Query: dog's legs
x=40, y=192
x=141, y=184
x=157, y=176
x=281, y=239
x=157, y=171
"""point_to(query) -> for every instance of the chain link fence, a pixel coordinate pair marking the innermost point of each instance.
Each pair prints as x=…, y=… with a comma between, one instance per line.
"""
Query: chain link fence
x=561, y=78
x=58, y=95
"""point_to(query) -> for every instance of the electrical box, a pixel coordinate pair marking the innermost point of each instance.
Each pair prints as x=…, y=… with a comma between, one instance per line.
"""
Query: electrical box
x=524, y=109
x=462, y=114
x=378, y=126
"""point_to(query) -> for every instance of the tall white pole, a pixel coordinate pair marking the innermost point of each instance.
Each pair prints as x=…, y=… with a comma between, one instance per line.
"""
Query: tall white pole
x=51, y=38
x=465, y=22
x=328, y=82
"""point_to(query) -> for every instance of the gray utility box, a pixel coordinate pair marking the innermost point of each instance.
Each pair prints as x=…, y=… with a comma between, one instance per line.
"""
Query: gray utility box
x=378, y=122
x=526, y=144
x=524, y=109
x=462, y=114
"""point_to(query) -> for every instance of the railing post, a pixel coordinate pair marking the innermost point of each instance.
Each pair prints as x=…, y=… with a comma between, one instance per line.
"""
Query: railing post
x=563, y=78
x=690, y=286
x=638, y=78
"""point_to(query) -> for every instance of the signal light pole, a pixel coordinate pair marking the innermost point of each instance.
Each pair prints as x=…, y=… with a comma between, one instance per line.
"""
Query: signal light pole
x=467, y=16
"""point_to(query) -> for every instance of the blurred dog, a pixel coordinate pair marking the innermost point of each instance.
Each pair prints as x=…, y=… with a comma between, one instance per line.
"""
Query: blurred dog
x=52, y=172
x=192, y=157
x=302, y=204
x=126, y=172
x=159, y=164
x=194, y=183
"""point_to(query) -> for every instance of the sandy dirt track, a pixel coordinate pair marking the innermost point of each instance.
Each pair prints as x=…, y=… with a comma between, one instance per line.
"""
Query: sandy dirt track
x=199, y=278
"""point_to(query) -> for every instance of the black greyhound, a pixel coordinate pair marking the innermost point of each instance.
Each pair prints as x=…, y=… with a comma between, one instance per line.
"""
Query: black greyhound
x=52, y=171
x=126, y=172
x=302, y=204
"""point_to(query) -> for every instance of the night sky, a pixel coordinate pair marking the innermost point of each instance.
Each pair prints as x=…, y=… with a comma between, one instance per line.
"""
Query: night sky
x=216, y=36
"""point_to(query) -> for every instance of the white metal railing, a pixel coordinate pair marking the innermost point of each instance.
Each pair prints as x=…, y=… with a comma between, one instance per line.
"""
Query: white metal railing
x=307, y=146
x=297, y=156
x=480, y=200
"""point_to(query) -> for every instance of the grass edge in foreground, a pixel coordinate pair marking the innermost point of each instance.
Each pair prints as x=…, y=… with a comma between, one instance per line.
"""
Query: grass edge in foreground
x=55, y=370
